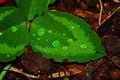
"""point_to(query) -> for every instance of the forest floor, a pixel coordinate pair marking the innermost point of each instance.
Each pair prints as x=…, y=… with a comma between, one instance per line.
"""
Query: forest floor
x=27, y=67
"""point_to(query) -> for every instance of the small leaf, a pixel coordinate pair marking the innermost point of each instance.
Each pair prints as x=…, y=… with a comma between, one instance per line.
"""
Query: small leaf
x=13, y=33
x=32, y=7
x=51, y=1
x=66, y=78
x=63, y=36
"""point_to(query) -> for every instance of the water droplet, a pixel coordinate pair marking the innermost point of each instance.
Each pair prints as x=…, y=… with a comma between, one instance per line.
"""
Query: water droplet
x=70, y=40
x=49, y=31
x=83, y=46
x=2, y=14
x=64, y=34
x=41, y=32
x=46, y=39
x=32, y=41
x=45, y=50
x=65, y=48
x=38, y=39
x=1, y=33
x=33, y=34
x=72, y=27
x=14, y=29
x=37, y=22
x=56, y=43
x=8, y=55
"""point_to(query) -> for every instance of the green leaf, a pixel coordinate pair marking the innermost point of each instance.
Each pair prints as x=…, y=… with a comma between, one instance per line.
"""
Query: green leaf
x=61, y=36
x=4, y=71
x=32, y=7
x=51, y=1
x=66, y=78
x=13, y=33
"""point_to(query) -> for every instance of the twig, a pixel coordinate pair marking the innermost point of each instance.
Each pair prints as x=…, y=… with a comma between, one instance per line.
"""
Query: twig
x=112, y=60
x=110, y=15
x=21, y=72
x=101, y=10
x=69, y=72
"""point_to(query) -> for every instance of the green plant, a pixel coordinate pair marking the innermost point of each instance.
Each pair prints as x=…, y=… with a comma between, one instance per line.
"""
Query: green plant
x=4, y=71
x=55, y=35
x=66, y=78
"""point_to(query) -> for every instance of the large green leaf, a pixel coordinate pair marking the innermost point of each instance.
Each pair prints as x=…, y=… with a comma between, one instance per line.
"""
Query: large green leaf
x=63, y=36
x=13, y=33
x=32, y=7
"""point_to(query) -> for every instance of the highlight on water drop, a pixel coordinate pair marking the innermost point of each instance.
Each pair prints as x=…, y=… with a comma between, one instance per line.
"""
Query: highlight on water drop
x=1, y=33
x=37, y=22
x=14, y=29
x=83, y=46
x=70, y=40
x=8, y=55
x=49, y=31
x=56, y=43
x=72, y=27
x=38, y=39
x=41, y=32
x=63, y=34
x=65, y=48
x=33, y=34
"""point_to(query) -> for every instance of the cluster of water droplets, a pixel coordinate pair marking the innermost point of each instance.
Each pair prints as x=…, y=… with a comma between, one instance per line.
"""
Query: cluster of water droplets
x=41, y=32
x=57, y=43
x=73, y=27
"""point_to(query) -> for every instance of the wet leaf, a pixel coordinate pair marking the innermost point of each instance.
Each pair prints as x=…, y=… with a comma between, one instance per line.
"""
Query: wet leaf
x=32, y=7
x=13, y=33
x=63, y=36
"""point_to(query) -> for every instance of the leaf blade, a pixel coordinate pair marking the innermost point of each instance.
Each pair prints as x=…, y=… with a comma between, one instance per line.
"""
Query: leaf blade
x=12, y=40
x=32, y=7
x=80, y=43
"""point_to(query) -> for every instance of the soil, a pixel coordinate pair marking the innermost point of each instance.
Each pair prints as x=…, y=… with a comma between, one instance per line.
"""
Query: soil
x=27, y=67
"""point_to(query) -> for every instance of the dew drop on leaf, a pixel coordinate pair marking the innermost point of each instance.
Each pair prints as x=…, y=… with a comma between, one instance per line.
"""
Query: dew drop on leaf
x=63, y=34
x=83, y=46
x=56, y=43
x=14, y=29
x=8, y=55
x=65, y=48
x=46, y=39
x=72, y=27
x=44, y=50
x=38, y=39
x=37, y=22
x=70, y=40
x=33, y=34
x=1, y=33
x=49, y=31
x=41, y=32
x=32, y=40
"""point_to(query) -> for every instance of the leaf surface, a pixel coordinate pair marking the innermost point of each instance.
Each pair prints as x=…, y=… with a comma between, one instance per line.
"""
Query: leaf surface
x=62, y=36
x=13, y=33
x=32, y=7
